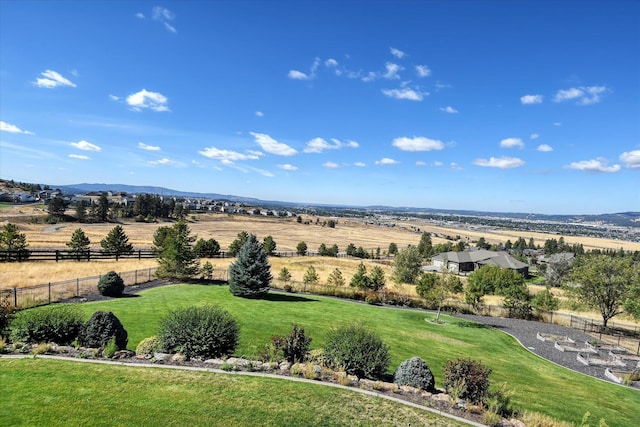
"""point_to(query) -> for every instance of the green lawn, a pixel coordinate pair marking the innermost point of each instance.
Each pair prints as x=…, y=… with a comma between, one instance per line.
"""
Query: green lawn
x=539, y=386
x=45, y=392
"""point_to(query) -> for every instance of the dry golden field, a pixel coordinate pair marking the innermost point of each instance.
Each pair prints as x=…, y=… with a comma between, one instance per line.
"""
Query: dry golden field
x=286, y=232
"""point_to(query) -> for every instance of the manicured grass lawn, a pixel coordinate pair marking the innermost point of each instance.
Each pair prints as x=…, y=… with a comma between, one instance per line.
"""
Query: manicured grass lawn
x=55, y=393
x=539, y=386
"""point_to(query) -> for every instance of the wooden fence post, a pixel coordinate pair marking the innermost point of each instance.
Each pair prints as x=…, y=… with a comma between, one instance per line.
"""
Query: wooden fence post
x=15, y=297
x=49, y=292
x=77, y=287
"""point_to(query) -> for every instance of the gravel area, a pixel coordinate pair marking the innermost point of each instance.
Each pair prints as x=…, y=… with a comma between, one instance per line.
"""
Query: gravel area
x=525, y=331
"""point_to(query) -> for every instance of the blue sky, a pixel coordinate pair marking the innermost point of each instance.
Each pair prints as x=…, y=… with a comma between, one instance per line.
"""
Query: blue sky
x=513, y=106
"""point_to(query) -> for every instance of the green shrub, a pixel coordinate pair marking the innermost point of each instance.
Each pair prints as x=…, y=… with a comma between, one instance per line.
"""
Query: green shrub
x=204, y=332
x=414, y=372
x=296, y=345
x=57, y=323
x=357, y=350
x=111, y=285
x=469, y=377
x=148, y=345
x=100, y=328
x=111, y=348
x=6, y=312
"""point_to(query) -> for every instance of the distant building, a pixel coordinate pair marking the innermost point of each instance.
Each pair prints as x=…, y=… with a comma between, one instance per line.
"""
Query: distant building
x=466, y=262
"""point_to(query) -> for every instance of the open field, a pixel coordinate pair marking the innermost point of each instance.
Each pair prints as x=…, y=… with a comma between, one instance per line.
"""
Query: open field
x=539, y=386
x=51, y=392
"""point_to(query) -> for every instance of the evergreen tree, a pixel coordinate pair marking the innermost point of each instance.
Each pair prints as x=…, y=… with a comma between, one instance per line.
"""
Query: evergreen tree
x=103, y=208
x=377, y=278
x=81, y=211
x=250, y=274
x=311, y=276
x=335, y=278
x=79, y=244
x=284, y=276
x=174, y=250
x=234, y=247
x=360, y=280
x=393, y=248
x=116, y=242
x=56, y=208
x=12, y=240
x=269, y=245
x=301, y=249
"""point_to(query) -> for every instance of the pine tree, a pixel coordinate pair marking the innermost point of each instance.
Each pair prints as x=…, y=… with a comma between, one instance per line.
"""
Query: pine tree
x=335, y=278
x=250, y=274
x=311, y=276
x=12, y=240
x=116, y=242
x=79, y=244
x=360, y=280
x=174, y=250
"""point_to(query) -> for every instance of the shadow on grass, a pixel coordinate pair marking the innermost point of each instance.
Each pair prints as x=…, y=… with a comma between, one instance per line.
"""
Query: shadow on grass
x=471, y=325
x=278, y=297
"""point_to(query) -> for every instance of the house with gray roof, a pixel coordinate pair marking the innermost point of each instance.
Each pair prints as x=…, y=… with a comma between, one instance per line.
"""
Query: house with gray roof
x=465, y=262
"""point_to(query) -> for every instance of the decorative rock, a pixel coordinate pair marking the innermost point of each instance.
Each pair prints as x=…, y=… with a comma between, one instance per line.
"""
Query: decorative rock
x=214, y=361
x=161, y=356
x=178, y=357
x=123, y=354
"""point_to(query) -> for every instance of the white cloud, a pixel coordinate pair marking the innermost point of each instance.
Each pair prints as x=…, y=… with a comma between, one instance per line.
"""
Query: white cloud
x=114, y=97
x=544, y=148
x=386, y=161
x=318, y=145
x=534, y=136
x=288, y=167
x=272, y=146
x=557, y=124
x=331, y=63
x=86, y=146
x=437, y=163
x=79, y=157
x=449, y=109
x=228, y=156
x=299, y=75
x=455, y=166
x=145, y=99
x=331, y=165
x=139, y=15
x=595, y=165
x=392, y=71
x=52, y=79
x=583, y=95
x=423, y=71
x=144, y=146
x=512, y=143
x=631, y=159
x=8, y=127
x=163, y=162
x=405, y=93
x=360, y=164
x=397, y=52
x=531, y=99
x=421, y=163
x=418, y=143
x=259, y=114
x=501, y=163
x=164, y=15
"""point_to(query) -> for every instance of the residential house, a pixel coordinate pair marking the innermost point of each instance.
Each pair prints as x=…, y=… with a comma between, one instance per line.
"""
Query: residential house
x=465, y=262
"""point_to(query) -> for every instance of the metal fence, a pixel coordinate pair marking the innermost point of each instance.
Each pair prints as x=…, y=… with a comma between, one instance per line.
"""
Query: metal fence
x=48, y=293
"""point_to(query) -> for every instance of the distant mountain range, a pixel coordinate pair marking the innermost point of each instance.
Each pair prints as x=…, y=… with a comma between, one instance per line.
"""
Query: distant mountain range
x=627, y=219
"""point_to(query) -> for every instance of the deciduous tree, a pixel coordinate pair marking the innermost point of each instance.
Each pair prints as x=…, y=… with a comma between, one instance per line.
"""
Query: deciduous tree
x=604, y=283
x=406, y=265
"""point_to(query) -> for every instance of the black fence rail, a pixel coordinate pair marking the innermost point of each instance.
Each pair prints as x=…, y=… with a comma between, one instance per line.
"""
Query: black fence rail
x=67, y=255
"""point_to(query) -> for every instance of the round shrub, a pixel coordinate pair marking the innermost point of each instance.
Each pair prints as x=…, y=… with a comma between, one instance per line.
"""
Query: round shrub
x=111, y=285
x=357, y=350
x=59, y=324
x=203, y=332
x=469, y=379
x=149, y=345
x=100, y=328
x=414, y=372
